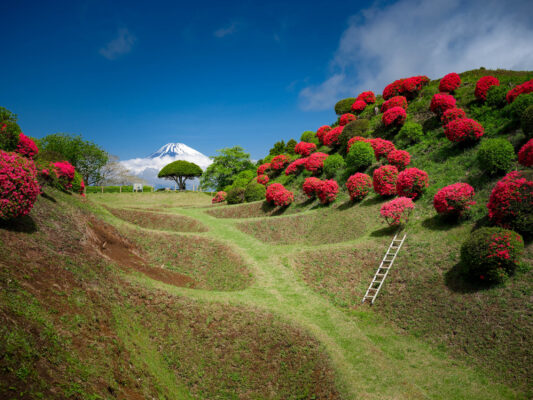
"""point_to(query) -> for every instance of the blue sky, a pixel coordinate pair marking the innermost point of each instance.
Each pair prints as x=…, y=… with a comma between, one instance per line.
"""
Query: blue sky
x=132, y=76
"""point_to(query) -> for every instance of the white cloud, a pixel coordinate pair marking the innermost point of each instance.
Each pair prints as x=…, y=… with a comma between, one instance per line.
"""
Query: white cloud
x=229, y=30
x=122, y=44
x=417, y=37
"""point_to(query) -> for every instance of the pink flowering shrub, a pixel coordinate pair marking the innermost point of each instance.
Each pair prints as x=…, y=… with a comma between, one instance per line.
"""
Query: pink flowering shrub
x=368, y=97
x=483, y=85
x=271, y=190
x=315, y=162
x=283, y=198
x=65, y=174
x=397, y=211
x=27, y=147
x=399, y=158
x=525, y=155
x=346, y=119
x=452, y=114
x=310, y=186
x=381, y=147
x=262, y=179
x=526, y=87
x=359, y=186
x=394, y=116
x=449, y=82
x=384, y=180
x=396, y=101
x=219, y=197
x=18, y=185
x=327, y=191
x=296, y=166
x=464, y=130
x=492, y=254
x=357, y=139
x=304, y=148
x=412, y=183
x=263, y=168
x=393, y=89
x=442, y=102
x=408, y=87
x=322, y=131
x=511, y=203
x=454, y=199
x=358, y=106
x=279, y=162
x=332, y=137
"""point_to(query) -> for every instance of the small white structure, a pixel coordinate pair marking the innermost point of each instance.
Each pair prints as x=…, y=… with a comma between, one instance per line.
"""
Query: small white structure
x=137, y=187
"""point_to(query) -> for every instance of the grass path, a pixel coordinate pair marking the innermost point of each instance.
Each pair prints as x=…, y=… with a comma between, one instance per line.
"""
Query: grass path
x=372, y=359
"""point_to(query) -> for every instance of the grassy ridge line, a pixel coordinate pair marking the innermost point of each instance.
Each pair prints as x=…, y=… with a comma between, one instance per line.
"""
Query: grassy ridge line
x=370, y=357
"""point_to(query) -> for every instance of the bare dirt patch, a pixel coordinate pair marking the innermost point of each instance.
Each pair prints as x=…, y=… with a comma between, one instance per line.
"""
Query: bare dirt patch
x=153, y=220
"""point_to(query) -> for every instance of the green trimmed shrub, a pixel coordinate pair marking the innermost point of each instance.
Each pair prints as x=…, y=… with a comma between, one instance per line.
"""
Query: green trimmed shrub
x=410, y=133
x=289, y=147
x=359, y=127
x=333, y=164
x=496, y=96
x=496, y=155
x=360, y=156
x=9, y=135
x=254, y=192
x=76, y=183
x=491, y=254
x=344, y=106
x=527, y=121
x=235, y=195
x=310, y=137
x=520, y=104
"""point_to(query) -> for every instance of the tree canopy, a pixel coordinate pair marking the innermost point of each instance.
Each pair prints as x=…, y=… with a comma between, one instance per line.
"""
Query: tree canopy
x=226, y=165
x=179, y=171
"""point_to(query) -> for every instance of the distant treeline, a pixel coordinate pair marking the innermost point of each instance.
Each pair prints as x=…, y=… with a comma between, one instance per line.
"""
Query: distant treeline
x=115, y=189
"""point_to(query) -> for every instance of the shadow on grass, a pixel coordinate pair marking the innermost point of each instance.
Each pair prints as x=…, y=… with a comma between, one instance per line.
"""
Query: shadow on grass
x=440, y=222
x=387, y=231
x=24, y=224
x=267, y=207
x=306, y=202
x=431, y=124
x=347, y=205
x=373, y=201
x=457, y=280
x=48, y=197
x=280, y=211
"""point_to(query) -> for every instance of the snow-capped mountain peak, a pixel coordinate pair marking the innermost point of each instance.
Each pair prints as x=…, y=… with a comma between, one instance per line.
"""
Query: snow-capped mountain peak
x=174, y=150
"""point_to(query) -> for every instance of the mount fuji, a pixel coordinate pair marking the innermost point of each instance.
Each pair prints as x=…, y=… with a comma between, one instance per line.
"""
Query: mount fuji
x=148, y=167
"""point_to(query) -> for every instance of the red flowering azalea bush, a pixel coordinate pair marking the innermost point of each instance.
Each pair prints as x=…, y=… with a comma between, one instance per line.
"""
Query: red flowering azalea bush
x=359, y=186
x=283, y=198
x=381, y=147
x=454, y=199
x=358, y=106
x=310, y=186
x=399, y=158
x=219, y=197
x=332, y=137
x=449, y=82
x=384, y=180
x=464, y=130
x=396, y=101
x=525, y=155
x=393, y=89
x=492, y=254
x=408, y=87
x=65, y=174
x=357, y=139
x=394, y=116
x=262, y=179
x=327, y=191
x=271, y=190
x=511, y=203
x=263, y=168
x=412, y=183
x=18, y=185
x=452, y=114
x=304, y=148
x=26, y=147
x=315, y=162
x=296, y=166
x=442, y=102
x=368, y=97
x=322, y=131
x=483, y=85
x=526, y=87
x=279, y=162
x=397, y=211
x=346, y=119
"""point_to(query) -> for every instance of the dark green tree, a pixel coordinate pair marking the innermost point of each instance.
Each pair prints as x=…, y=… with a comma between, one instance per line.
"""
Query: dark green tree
x=289, y=148
x=226, y=165
x=279, y=148
x=179, y=171
x=6, y=115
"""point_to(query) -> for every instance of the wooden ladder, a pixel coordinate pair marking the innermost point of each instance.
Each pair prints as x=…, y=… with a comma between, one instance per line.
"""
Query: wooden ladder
x=384, y=268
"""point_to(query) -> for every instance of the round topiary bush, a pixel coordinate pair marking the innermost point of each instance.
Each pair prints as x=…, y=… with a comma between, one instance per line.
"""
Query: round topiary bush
x=9, y=135
x=397, y=211
x=496, y=155
x=333, y=164
x=263, y=179
x=527, y=121
x=412, y=183
x=327, y=191
x=271, y=190
x=263, y=168
x=279, y=162
x=520, y=104
x=19, y=186
x=27, y=147
x=464, y=130
x=368, y=97
x=360, y=156
x=382, y=147
x=526, y=87
x=346, y=119
x=358, y=106
x=393, y=89
x=254, y=192
x=359, y=186
x=483, y=85
x=65, y=174
x=396, y=101
x=355, y=128
x=399, y=158
x=384, y=180
x=322, y=132
x=315, y=162
x=451, y=114
x=412, y=86
x=332, y=137
x=310, y=186
x=454, y=200
x=525, y=155
x=283, y=198
x=442, y=102
x=394, y=116
x=235, y=195
x=449, y=82
x=492, y=254
x=304, y=148
x=310, y=137
x=411, y=132
x=496, y=96
x=511, y=202
x=358, y=139
x=344, y=106
x=220, y=197
x=296, y=166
